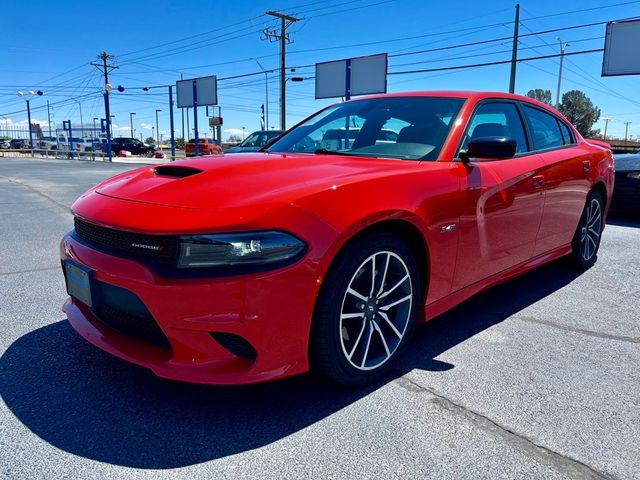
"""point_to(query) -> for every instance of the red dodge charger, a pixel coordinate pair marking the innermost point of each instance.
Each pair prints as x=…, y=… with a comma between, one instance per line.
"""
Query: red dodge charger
x=325, y=254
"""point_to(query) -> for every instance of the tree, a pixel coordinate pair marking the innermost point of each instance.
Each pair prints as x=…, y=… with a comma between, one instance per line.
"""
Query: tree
x=540, y=95
x=180, y=143
x=150, y=140
x=580, y=111
x=234, y=138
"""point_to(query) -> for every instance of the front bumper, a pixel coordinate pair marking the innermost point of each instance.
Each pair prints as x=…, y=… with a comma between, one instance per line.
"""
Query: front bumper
x=270, y=310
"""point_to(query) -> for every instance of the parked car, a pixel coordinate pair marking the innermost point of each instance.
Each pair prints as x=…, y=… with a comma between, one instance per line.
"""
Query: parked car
x=133, y=145
x=5, y=144
x=264, y=265
x=206, y=146
x=59, y=142
x=626, y=193
x=19, y=143
x=255, y=141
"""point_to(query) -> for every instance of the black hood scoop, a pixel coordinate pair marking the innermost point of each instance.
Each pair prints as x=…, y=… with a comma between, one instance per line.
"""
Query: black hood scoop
x=176, y=171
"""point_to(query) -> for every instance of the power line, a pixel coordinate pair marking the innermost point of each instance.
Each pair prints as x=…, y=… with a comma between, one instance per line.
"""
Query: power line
x=486, y=64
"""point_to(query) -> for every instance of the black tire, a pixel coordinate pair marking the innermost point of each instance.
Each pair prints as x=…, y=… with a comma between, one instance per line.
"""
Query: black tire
x=357, y=337
x=150, y=153
x=586, y=240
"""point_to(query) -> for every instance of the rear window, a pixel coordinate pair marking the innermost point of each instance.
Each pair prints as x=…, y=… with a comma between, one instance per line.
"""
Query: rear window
x=567, y=136
x=546, y=130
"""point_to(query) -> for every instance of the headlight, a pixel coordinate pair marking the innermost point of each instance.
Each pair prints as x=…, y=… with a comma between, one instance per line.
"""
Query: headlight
x=237, y=249
x=634, y=175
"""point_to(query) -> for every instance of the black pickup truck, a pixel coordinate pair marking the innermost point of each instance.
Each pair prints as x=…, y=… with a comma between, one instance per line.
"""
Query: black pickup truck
x=133, y=145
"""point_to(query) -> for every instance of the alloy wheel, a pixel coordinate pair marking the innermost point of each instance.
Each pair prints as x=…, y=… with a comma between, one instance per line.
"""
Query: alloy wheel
x=376, y=310
x=591, y=230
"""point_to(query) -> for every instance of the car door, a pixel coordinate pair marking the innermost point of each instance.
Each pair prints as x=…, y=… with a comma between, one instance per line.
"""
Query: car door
x=566, y=183
x=502, y=200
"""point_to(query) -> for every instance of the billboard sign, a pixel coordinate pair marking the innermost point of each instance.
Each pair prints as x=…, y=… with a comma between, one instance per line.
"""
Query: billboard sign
x=352, y=76
x=622, y=49
x=207, y=91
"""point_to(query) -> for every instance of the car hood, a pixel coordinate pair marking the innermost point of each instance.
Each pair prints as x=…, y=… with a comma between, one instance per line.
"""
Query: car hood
x=221, y=182
x=627, y=162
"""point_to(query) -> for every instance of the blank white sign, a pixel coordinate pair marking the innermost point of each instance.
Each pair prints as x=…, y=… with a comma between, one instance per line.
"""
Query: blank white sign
x=207, y=92
x=622, y=49
x=368, y=75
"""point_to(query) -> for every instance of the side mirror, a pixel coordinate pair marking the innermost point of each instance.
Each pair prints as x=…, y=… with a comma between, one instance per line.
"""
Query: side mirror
x=489, y=147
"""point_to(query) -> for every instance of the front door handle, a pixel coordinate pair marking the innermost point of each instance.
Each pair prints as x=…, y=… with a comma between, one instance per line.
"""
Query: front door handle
x=586, y=165
x=537, y=181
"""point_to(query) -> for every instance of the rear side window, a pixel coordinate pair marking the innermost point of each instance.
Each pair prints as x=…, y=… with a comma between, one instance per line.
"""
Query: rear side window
x=499, y=119
x=567, y=137
x=545, y=129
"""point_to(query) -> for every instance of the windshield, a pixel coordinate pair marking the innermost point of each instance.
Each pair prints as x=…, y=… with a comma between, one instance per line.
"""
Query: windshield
x=410, y=128
x=258, y=139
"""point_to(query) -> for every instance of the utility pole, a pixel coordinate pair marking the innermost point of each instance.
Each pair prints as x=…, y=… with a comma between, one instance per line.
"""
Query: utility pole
x=514, y=52
x=563, y=46
x=283, y=37
x=626, y=130
x=104, y=56
x=606, y=124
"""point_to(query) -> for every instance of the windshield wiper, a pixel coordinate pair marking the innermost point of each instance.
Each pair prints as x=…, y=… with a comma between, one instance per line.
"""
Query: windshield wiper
x=324, y=150
x=332, y=152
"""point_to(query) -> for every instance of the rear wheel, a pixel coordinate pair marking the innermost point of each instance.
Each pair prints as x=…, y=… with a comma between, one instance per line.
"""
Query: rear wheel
x=366, y=310
x=586, y=240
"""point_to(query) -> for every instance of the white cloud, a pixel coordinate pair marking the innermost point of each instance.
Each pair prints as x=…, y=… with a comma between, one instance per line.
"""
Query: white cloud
x=120, y=128
x=146, y=126
x=234, y=131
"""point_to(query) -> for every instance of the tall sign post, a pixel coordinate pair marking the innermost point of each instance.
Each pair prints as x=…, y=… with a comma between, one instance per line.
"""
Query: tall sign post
x=194, y=92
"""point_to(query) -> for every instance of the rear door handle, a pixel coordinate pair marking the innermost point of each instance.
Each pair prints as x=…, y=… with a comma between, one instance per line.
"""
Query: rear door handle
x=586, y=165
x=537, y=181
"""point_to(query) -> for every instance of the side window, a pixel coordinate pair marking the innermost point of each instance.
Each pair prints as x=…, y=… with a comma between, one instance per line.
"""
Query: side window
x=499, y=119
x=567, y=136
x=546, y=131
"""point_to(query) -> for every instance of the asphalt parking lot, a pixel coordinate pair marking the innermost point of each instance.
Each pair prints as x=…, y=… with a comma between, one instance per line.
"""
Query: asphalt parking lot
x=536, y=378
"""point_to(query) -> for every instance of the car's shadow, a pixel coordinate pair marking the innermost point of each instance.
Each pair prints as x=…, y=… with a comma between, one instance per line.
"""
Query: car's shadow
x=90, y=404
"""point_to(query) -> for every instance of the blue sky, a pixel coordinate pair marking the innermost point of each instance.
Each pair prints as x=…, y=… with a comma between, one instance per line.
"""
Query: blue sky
x=49, y=45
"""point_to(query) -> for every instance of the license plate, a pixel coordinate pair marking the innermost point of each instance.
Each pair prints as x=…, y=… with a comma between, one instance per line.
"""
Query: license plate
x=78, y=282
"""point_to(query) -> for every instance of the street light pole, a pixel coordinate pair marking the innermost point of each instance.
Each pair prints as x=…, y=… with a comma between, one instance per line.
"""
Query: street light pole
x=131, y=114
x=266, y=94
x=31, y=93
x=563, y=46
x=606, y=124
x=81, y=121
x=93, y=137
x=158, y=130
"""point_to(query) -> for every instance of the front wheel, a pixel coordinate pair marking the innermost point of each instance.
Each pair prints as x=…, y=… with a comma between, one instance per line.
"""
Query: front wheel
x=586, y=240
x=366, y=310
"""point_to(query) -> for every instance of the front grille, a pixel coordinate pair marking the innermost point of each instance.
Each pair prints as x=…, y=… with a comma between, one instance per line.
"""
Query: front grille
x=123, y=311
x=130, y=244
